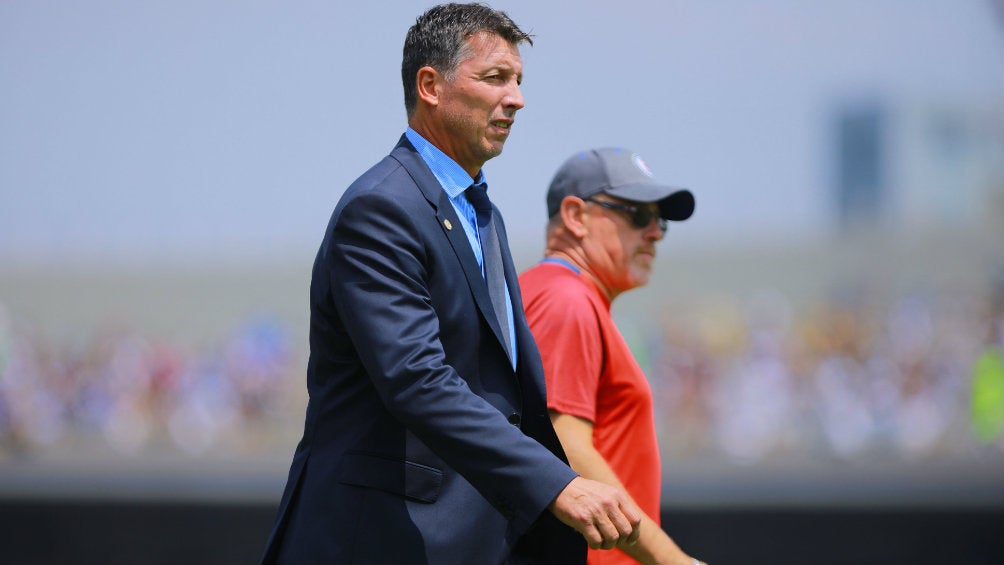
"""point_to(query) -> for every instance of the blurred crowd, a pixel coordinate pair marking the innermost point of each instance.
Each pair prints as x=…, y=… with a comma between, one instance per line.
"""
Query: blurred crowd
x=849, y=377
x=130, y=393
x=856, y=376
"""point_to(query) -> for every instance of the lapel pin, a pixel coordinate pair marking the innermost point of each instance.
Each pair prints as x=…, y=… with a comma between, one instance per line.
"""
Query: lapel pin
x=448, y=225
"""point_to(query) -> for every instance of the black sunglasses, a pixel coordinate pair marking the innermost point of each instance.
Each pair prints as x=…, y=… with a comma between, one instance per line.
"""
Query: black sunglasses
x=641, y=216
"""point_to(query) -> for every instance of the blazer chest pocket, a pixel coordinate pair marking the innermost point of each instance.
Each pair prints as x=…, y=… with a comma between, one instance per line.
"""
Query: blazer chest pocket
x=404, y=478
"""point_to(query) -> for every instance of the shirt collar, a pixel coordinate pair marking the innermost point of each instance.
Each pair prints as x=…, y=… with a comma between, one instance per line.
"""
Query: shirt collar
x=453, y=178
x=562, y=262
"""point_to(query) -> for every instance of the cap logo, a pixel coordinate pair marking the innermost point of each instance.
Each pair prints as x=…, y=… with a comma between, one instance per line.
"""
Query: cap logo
x=638, y=162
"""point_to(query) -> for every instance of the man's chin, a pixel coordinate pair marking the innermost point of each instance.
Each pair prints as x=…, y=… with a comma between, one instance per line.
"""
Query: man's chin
x=492, y=150
x=641, y=276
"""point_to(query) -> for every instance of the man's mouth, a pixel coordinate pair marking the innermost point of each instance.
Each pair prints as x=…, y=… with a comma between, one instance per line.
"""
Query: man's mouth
x=504, y=125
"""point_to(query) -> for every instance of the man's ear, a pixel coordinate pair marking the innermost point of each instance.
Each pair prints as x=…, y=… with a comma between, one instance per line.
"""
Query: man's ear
x=427, y=81
x=573, y=212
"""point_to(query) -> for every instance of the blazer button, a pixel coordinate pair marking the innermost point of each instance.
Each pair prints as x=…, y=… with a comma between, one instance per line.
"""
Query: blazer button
x=514, y=418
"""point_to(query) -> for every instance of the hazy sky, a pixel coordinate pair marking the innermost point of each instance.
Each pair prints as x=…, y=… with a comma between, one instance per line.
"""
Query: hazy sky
x=150, y=131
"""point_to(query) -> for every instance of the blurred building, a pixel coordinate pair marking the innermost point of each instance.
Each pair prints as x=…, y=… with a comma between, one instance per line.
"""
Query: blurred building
x=919, y=167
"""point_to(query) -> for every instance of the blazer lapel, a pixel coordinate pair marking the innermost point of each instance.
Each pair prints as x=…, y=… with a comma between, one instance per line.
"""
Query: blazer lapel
x=448, y=221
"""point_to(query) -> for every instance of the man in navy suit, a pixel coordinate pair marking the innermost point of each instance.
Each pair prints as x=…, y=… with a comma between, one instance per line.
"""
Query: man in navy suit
x=427, y=438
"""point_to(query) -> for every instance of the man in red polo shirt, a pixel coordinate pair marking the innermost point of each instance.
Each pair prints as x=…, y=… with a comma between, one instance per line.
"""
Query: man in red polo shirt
x=606, y=212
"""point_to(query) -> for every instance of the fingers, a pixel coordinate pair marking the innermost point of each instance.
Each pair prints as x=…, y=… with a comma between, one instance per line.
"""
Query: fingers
x=601, y=533
x=621, y=520
x=601, y=513
x=618, y=526
x=632, y=514
x=610, y=532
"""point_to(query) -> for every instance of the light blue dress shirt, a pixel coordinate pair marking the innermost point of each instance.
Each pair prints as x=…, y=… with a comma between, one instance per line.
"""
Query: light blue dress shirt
x=455, y=180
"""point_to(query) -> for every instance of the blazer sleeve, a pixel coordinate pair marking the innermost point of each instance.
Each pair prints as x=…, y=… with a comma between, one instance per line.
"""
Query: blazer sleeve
x=377, y=258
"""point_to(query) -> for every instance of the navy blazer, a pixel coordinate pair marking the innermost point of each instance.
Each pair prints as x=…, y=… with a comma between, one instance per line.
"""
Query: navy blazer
x=421, y=444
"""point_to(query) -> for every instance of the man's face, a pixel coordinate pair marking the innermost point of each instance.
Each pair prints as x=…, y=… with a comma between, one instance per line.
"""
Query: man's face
x=619, y=253
x=479, y=101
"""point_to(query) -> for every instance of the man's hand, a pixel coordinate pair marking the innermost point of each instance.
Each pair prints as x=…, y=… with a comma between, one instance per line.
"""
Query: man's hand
x=600, y=512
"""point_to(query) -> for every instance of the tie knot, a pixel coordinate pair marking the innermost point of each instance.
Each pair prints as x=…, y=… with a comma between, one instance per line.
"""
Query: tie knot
x=477, y=195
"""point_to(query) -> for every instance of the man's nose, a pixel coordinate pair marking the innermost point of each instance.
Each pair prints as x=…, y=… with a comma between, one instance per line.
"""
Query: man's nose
x=514, y=97
x=654, y=231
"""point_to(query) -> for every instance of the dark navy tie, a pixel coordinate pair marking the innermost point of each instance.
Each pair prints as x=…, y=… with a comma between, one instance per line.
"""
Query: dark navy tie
x=491, y=254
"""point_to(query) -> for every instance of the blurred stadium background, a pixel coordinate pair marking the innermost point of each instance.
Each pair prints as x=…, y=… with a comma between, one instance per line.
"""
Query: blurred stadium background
x=824, y=337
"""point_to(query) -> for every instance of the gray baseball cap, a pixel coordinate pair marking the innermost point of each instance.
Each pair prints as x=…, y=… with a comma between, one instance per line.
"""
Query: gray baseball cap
x=620, y=173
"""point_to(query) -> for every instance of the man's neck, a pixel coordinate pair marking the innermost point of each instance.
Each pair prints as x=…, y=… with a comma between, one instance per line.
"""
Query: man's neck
x=575, y=258
x=440, y=139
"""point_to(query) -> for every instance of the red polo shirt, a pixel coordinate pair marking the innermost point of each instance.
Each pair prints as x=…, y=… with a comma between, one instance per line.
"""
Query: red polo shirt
x=591, y=373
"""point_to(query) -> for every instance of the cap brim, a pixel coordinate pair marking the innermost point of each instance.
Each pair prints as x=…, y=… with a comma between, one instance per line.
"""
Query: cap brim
x=678, y=206
x=675, y=203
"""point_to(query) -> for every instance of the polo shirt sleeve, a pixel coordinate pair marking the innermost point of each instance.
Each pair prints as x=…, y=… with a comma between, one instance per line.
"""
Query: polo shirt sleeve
x=564, y=324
